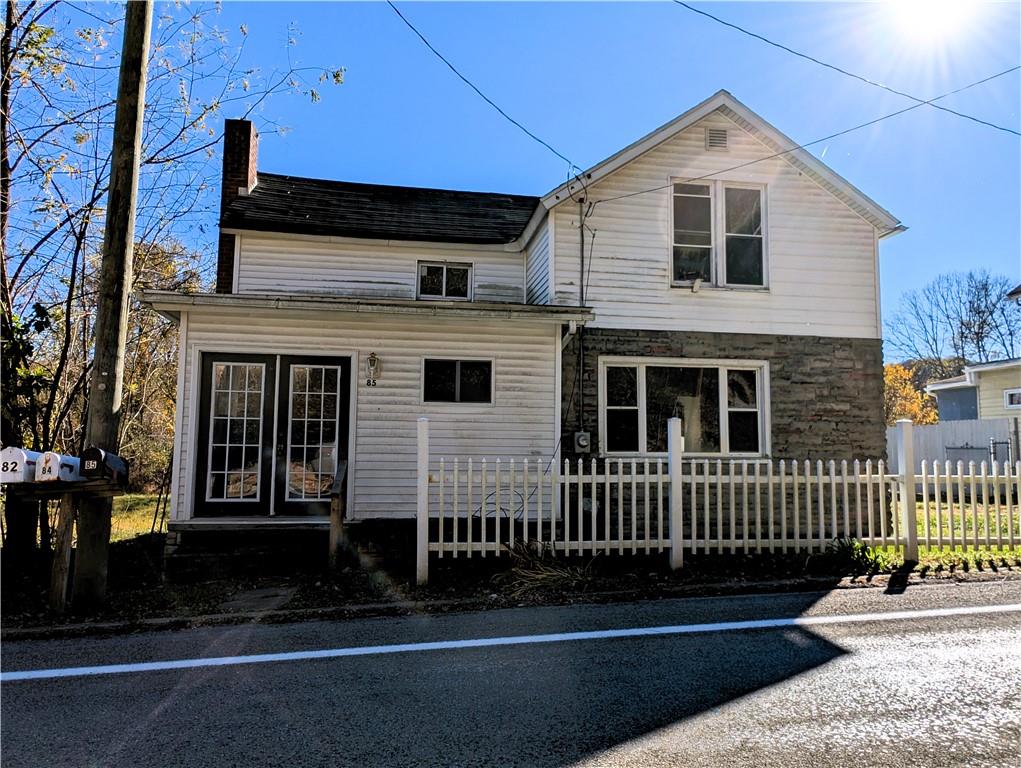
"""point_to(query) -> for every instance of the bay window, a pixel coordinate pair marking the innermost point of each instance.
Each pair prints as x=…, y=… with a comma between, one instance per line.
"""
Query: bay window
x=721, y=405
x=718, y=234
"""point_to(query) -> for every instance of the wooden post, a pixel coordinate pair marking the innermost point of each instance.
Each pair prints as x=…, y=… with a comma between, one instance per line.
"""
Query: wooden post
x=675, y=446
x=336, y=528
x=908, y=510
x=422, y=511
x=114, y=291
x=62, y=554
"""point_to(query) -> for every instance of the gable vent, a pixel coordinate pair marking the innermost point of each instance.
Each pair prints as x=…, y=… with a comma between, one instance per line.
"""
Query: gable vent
x=715, y=138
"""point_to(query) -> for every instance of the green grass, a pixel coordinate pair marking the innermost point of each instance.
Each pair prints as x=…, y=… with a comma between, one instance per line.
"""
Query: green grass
x=966, y=525
x=132, y=515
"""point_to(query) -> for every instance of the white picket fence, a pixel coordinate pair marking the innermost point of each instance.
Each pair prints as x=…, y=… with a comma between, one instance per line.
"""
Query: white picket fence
x=478, y=508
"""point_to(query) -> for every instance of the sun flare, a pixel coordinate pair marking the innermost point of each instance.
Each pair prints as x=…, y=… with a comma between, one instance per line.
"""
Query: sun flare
x=931, y=21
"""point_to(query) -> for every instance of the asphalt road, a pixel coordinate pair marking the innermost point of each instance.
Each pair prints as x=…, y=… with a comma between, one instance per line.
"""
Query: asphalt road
x=914, y=691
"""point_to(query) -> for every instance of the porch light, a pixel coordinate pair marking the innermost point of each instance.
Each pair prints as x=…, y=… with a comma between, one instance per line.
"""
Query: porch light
x=372, y=366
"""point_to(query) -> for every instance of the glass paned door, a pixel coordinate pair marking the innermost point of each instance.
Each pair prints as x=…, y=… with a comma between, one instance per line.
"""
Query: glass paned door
x=271, y=432
x=234, y=452
x=312, y=432
x=235, y=455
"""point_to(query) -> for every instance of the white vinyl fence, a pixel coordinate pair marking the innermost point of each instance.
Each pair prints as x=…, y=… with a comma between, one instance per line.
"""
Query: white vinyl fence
x=471, y=508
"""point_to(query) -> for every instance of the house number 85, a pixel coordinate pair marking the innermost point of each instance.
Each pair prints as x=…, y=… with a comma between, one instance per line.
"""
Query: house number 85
x=370, y=382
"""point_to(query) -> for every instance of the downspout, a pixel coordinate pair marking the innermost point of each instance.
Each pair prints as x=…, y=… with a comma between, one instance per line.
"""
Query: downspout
x=581, y=303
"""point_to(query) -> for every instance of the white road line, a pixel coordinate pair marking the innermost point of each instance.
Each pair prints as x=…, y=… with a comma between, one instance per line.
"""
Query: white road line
x=487, y=642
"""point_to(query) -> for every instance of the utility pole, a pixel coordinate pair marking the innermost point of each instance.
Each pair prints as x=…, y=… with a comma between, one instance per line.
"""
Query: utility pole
x=114, y=291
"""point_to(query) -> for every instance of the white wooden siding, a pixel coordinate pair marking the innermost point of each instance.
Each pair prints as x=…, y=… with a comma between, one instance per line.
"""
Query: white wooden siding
x=537, y=272
x=520, y=423
x=821, y=255
x=296, y=264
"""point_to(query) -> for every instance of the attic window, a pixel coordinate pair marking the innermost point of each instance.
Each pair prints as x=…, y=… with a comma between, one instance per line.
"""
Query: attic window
x=716, y=138
x=440, y=280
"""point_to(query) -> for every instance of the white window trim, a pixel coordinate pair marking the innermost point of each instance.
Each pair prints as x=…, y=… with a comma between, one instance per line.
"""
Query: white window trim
x=445, y=265
x=718, y=249
x=209, y=442
x=762, y=381
x=1006, y=398
x=456, y=403
x=290, y=423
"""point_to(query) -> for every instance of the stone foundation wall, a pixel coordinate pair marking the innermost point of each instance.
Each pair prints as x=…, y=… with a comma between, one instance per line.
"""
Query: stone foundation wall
x=826, y=394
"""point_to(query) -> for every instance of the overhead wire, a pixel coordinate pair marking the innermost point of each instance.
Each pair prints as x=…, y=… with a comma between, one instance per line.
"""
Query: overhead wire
x=483, y=96
x=841, y=70
x=814, y=142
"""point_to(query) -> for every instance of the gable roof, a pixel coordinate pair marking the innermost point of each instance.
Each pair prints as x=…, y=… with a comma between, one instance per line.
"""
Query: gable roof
x=726, y=104
x=341, y=208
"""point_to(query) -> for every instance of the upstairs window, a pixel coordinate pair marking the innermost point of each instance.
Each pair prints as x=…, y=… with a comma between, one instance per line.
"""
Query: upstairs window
x=457, y=381
x=693, y=233
x=440, y=280
x=718, y=235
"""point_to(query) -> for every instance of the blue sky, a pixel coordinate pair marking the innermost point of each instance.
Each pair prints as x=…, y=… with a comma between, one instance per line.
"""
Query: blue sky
x=590, y=78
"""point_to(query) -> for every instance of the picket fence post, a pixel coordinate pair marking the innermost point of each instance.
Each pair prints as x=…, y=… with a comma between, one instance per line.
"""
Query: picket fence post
x=675, y=446
x=908, y=508
x=422, y=512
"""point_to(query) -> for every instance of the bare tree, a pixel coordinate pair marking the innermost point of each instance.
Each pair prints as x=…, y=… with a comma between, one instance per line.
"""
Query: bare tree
x=958, y=318
x=58, y=76
x=56, y=117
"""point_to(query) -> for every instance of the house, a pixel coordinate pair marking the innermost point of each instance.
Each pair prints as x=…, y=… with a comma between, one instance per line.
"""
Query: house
x=983, y=391
x=711, y=270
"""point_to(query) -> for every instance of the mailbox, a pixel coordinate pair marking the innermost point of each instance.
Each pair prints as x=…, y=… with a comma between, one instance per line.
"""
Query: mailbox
x=51, y=466
x=17, y=465
x=95, y=463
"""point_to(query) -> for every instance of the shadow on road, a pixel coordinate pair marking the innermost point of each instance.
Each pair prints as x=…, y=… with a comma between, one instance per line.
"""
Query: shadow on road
x=536, y=705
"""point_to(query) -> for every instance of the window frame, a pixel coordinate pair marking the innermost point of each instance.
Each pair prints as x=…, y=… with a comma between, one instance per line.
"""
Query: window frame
x=1006, y=398
x=762, y=382
x=445, y=265
x=457, y=382
x=718, y=235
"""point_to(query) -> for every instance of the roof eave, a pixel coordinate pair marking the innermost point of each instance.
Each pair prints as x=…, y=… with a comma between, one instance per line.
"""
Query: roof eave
x=172, y=304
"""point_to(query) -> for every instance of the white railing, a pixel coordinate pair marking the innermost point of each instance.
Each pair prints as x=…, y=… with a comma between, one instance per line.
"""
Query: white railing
x=478, y=508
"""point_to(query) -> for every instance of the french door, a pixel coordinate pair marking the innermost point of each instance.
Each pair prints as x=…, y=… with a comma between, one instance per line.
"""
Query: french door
x=272, y=431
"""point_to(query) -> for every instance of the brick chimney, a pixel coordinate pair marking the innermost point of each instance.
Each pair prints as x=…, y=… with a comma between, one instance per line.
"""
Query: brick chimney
x=240, y=175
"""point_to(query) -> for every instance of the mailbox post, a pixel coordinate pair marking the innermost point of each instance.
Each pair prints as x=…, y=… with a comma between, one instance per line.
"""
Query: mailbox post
x=50, y=475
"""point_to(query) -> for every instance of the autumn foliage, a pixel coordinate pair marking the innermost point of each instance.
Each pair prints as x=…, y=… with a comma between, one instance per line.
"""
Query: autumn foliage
x=903, y=400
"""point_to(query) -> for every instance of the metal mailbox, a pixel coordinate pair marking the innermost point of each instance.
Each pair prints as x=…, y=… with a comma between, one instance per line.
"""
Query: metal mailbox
x=17, y=465
x=97, y=464
x=52, y=466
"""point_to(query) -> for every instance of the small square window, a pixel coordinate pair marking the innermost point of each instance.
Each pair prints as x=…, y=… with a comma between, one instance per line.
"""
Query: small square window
x=458, y=381
x=444, y=281
x=1012, y=398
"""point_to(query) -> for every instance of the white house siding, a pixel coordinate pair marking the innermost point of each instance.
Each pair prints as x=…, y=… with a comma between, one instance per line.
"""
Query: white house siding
x=821, y=255
x=537, y=273
x=520, y=423
x=297, y=264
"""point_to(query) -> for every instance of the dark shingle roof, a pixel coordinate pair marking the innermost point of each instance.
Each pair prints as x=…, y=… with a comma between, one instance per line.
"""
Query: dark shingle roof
x=317, y=207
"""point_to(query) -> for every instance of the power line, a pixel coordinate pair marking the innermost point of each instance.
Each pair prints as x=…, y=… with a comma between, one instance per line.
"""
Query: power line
x=815, y=141
x=835, y=68
x=477, y=90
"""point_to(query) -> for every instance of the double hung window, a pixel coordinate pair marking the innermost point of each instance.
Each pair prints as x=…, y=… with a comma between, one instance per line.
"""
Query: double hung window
x=718, y=234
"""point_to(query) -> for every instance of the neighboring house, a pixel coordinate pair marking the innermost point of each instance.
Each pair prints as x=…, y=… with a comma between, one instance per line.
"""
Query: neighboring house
x=745, y=301
x=983, y=391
